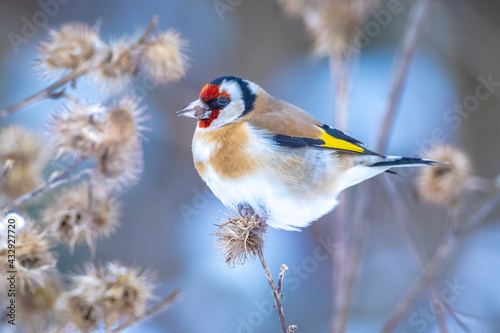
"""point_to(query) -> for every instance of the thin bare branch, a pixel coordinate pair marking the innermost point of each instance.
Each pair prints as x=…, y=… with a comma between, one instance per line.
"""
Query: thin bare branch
x=405, y=220
x=56, y=90
x=340, y=70
x=163, y=305
x=276, y=295
x=438, y=260
x=57, y=179
x=47, y=93
x=5, y=171
x=281, y=277
x=152, y=24
x=401, y=69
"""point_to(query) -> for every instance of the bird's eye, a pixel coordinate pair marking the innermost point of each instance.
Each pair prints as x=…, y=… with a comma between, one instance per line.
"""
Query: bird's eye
x=223, y=100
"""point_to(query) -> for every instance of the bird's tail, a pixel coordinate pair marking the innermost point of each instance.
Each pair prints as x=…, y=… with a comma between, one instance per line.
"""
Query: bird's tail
x=401, y=162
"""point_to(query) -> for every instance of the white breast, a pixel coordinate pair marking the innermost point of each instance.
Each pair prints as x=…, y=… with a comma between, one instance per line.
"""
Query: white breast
x=268, y=196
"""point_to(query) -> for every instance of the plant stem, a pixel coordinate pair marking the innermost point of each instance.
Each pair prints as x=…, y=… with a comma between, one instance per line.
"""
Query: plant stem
x=276, y=295
x=405, y=221
x=163, y=305
x=50, y=91
x=280, y=280
x=339, y=72
x=51, y=183
x=7, y=166
x=152, y=24
x=401, y=69
x=437, y=262
x=47, y=93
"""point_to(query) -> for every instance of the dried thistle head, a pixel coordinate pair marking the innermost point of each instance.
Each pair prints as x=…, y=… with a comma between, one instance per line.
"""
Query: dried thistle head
x=34, y=261
x=332, y=23
x=23, y=149
x=78, y=129
x=127, y=293
x=79, y=307
x=36, y=306
x=109, y=295
x=82, y=213
x=119, y=64
x=446, y=182
x=164, y=57
x=73, y=47
x=123, y=121
x=240, y=238
x=121, y=165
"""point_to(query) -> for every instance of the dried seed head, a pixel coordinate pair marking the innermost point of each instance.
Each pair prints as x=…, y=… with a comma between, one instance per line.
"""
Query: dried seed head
x=19, y=145
x=82, y=213
x=23, y=149
x=117, y=67
x=21, y=179
x=332, y=23
x=94, y=130
x=34, y=262
x=36, y=307
x=108, y=295
x=164, y=58
x=123, y=122
x=446, y=182
x=78, y=129
x=240, y=238
x=79, y=314
x=79, y=307
x=127, y=293
x=121, y=165
x=73, y=47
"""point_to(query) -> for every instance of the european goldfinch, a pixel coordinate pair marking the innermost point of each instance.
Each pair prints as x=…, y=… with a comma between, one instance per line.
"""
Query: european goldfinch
x=256, y=152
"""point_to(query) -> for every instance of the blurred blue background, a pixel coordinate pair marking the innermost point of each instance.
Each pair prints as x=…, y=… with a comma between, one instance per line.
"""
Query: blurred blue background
x=168, y=217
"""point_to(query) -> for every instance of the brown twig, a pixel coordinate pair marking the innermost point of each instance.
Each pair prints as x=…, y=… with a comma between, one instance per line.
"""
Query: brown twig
x=405, y=220
x=51, y=91
x=7, y=166
x=153, y=22
x=47, y=93
x=340, y=72
x=441, y=255
x=437, y=262
x=276, y=295
x=53, y=182
x=339, y=264
x=401, y=69
x=280, y=280
x=410, y=40
x=163, y=305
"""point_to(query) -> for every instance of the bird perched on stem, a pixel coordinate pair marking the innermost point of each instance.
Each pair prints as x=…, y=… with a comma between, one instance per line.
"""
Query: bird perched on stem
x=259, y=153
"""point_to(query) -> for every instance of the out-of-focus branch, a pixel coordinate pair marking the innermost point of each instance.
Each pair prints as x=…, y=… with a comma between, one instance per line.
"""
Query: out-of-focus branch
x=438, y=260
x=51, y=92
x=5, y=171
x=405, y=220
x=401, y=69
x=410, y=41
x=152, y=24
x=340, y=71
x=163, y=305
x=47, y=93
x=57, y=179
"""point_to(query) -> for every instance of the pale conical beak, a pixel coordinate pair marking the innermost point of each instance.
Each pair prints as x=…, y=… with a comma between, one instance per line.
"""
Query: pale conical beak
x=197, y=109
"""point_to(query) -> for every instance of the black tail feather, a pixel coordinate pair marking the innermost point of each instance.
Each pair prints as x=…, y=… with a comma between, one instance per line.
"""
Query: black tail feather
x=403, y=161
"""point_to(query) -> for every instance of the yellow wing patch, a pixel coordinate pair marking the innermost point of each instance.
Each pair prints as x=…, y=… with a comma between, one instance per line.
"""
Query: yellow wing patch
x=336, y=143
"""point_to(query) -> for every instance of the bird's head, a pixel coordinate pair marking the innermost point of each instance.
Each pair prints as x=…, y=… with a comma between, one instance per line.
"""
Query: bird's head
x=222, y=102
